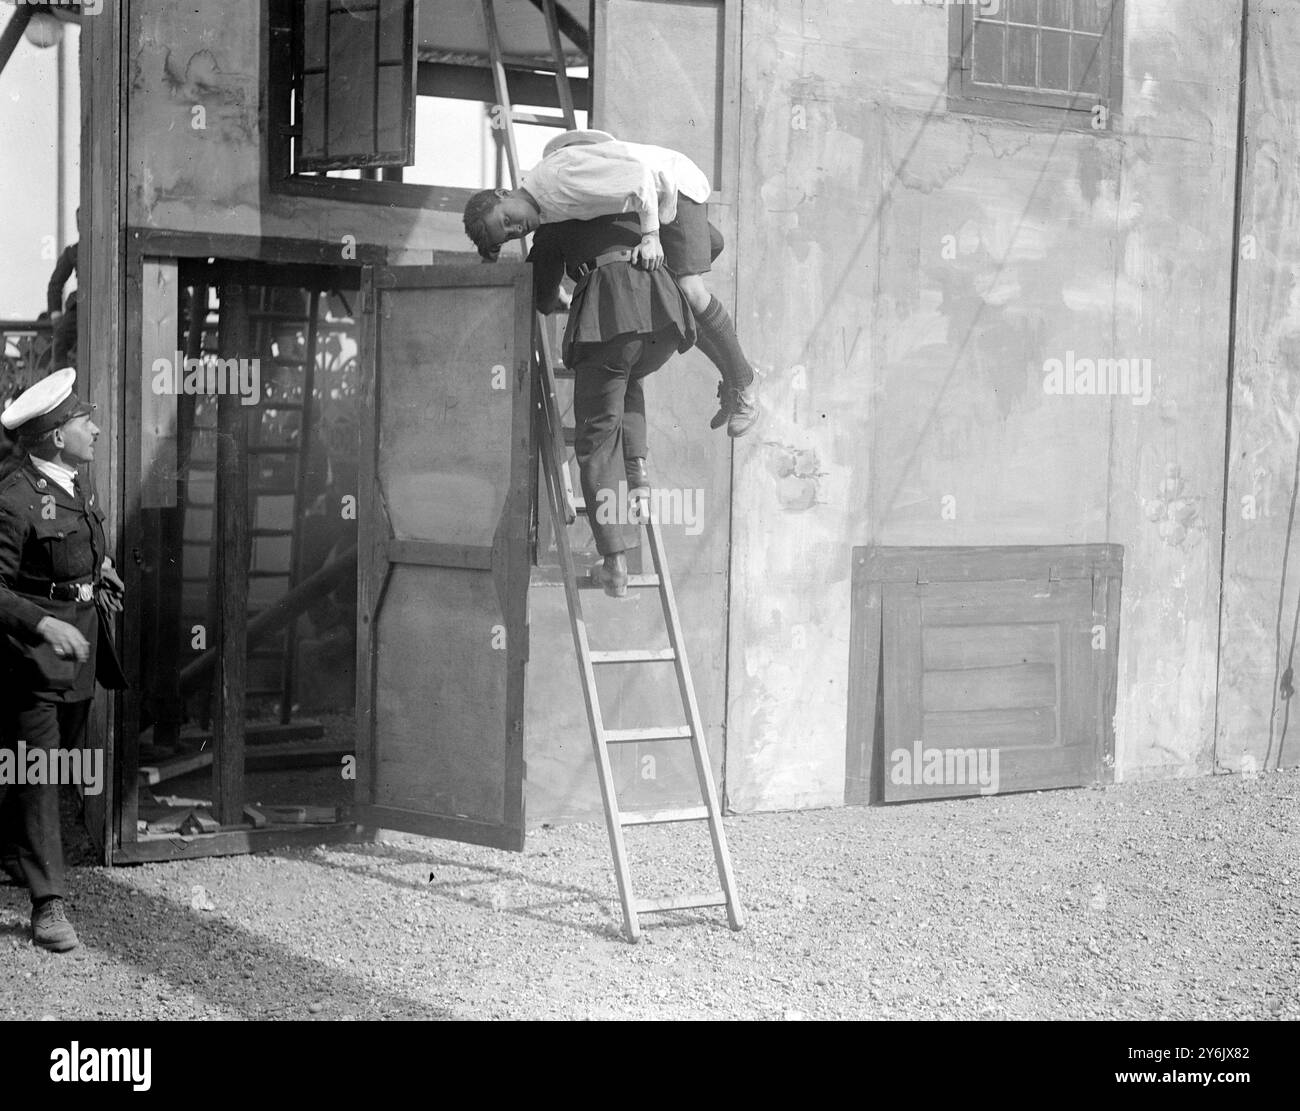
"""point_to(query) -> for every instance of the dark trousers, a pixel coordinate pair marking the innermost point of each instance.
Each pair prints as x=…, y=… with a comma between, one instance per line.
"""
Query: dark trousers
x=609, y=411
x=29, y=813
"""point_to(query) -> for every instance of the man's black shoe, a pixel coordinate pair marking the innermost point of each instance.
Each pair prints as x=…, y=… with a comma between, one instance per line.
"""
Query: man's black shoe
x=50, y=927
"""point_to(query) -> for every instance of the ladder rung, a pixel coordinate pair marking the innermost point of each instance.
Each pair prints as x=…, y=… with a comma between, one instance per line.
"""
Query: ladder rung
x=679, y=902
x=663, y=817
x=585, y=582
x=539, y=119
x=634, y=656
x=655, y=733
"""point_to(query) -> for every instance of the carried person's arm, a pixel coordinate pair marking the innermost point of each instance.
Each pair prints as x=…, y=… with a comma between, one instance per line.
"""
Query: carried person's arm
x=548, y=272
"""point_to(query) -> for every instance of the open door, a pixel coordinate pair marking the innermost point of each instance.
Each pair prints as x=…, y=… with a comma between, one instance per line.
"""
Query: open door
x=444, y=510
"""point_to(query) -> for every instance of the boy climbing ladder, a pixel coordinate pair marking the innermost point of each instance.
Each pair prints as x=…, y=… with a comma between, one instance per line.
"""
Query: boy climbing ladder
x=587, y=174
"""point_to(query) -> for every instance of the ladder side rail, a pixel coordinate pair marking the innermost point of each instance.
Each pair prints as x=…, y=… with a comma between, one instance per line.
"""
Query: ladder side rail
x=590, y=695
x=562, y=87
x=699, y=750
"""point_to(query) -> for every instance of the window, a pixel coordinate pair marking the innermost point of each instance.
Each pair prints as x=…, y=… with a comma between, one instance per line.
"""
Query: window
x=356, y=84
x=393, y=101
x=1055, y=62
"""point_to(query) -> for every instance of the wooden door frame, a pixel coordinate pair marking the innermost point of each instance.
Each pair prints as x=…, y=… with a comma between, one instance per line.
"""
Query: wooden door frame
x=121, y=840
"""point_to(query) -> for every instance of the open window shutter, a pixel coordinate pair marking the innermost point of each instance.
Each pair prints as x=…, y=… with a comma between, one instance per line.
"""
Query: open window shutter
x=356, y=88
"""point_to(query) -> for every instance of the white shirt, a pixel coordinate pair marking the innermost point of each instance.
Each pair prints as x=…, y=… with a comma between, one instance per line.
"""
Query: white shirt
x=586, y=180
x=64, y=476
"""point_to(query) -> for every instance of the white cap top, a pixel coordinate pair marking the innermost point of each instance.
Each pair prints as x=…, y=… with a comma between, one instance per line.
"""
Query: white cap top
x=47, y=398
x=569, y=138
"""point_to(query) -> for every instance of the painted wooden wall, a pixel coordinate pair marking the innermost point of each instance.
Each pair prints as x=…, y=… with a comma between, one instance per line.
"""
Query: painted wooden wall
x=1261, y=568
x=212, y=179
x=899, y=275
x=898, y=374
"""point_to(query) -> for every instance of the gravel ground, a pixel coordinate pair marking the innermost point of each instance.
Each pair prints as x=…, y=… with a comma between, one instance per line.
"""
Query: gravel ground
x=1159, y=900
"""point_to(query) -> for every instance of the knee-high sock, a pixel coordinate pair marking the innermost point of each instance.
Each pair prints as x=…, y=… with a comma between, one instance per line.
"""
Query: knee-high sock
x=717, y=339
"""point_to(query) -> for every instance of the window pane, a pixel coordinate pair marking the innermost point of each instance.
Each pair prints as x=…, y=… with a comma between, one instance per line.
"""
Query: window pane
x=351, y=127
x=1022, y=11
x=988, y=54
x=1091, y=15
x=313, y=116
x=1055, y=71
x=1022, y=56
x=392, y=30
x=1056, y=13
x=391, y=89
x=1085, y=64
x=314, y=15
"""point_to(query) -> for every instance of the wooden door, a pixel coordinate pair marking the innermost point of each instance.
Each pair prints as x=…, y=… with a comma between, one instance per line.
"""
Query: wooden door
x=444, y=509
x=997, y=669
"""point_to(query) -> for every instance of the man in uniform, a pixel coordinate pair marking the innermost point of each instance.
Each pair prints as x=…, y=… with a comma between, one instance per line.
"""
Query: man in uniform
x=57, y=586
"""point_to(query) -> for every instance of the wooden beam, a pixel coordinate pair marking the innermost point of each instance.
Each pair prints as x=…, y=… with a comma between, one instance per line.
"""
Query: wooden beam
x=13, y=33
x=462, y=82
x=232, y=555
x=103, y=325
x=572, y=29
x=277, y=615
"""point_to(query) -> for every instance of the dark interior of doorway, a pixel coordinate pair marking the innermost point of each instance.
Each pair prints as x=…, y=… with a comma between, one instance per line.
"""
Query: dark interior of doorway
x=302, y=444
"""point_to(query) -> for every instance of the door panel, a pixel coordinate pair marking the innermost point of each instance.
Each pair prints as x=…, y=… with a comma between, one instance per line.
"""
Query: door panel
x=444, y=511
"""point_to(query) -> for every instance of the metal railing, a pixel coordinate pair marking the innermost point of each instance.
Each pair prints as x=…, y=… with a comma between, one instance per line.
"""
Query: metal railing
x=27, y=355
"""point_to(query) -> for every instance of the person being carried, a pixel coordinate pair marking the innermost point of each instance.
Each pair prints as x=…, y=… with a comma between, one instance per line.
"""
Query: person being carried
x=586, y=174
x=625, y=322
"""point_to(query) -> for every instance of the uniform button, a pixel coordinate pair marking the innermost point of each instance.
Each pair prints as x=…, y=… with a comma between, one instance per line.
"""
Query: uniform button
x=40, y=484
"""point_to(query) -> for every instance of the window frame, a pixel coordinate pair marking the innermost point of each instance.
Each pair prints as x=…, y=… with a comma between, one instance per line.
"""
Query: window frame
x=279, y=53
x=1066, y=111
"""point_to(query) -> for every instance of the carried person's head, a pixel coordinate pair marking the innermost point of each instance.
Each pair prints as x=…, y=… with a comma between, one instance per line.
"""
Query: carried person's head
x=495, y=216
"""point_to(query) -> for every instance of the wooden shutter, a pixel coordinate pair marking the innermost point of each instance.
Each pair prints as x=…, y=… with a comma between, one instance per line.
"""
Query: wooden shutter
x=356, y=84
x=981, y=650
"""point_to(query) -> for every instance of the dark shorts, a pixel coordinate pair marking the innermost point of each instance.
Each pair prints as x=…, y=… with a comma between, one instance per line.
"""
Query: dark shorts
x=690, y=242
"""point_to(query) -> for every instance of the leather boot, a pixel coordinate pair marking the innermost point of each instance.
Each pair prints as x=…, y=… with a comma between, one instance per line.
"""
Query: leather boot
x=612, y=575
x=50, y=927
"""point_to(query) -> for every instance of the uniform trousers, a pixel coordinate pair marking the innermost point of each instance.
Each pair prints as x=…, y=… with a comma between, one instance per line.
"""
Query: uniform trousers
x=29, y=812
x=609, y=411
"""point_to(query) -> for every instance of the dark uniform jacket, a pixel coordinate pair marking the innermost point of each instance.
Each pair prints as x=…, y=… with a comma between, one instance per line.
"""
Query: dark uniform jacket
x=48, y=537
x=609, y=302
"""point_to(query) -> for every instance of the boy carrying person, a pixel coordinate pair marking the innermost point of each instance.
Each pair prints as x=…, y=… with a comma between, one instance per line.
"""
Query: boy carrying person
x=588, y=174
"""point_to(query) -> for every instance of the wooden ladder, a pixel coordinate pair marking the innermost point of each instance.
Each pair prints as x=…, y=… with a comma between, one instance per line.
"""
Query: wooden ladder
x=564, y=510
